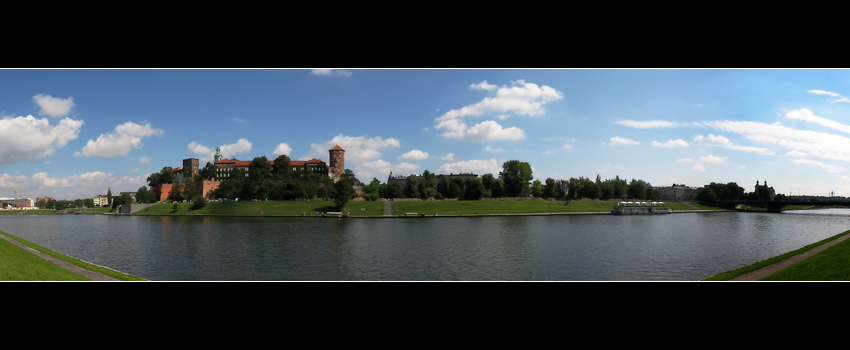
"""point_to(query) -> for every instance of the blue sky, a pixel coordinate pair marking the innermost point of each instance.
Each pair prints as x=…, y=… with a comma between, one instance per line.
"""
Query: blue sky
x=73, y=133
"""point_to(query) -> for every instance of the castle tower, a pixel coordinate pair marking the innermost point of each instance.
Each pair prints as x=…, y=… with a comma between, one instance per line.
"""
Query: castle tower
x=336, y=166
x=190, y=167
x=218, y=156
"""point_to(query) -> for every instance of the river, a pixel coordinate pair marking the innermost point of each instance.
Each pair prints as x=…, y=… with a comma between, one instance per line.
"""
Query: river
x=677, y=247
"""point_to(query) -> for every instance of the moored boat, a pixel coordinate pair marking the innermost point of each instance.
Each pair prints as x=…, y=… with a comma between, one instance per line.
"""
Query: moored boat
x=640, y=208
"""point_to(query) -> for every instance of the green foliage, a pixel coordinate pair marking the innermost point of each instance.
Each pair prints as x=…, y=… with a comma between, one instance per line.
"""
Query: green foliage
x=343, y=192
x=199, y=202
x=516, y=175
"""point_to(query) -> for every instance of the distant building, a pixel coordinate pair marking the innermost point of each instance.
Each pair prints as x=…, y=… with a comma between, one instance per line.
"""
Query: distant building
x=101, y=201
x=26, y=204
x=677, y=192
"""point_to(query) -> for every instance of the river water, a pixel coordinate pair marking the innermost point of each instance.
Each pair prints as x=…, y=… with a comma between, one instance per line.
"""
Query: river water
x=677, y=247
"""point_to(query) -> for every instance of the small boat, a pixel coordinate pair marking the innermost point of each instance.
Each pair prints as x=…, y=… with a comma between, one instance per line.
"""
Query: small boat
x=640, y=208
x=63, y=212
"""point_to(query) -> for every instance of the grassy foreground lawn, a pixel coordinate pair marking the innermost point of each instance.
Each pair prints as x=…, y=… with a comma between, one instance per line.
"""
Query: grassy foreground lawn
x=832, y=264
x=17, y=264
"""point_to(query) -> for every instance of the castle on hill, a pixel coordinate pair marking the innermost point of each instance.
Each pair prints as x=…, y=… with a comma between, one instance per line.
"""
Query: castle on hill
x=223, y=166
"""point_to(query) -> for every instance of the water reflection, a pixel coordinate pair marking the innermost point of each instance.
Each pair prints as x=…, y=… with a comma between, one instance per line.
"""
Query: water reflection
x=573, y=247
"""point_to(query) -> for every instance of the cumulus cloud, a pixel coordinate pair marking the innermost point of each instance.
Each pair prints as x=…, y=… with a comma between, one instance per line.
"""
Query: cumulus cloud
x=488, y=149
x=357, y=148
x=53, y=106
x=414, y=155
x=282, y=149
x=206, y=154
x=74, y=186
x=522, y=98
x=698, y=167
x=119, y=142
x=649, y=124
x=671, y=143
x=449, y=157
x=28, y=139
x=470, y=166
x=795, y=153
x=713, y=159
x=380, y=168
x=485, y=131
x=145, y=160
x=616, y=140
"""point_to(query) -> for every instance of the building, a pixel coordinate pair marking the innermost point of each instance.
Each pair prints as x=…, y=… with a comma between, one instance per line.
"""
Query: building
x=189, y=169
x=26, y=204
x=101, y=201
x=335, y=170
x=677, y=192
x=132, y=196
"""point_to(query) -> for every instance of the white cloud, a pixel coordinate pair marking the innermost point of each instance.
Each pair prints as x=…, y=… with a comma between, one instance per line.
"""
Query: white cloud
x=828, y=167
x=282, y=149
x=206, y=154
x=483, y=86
x=684, y=160
x=809, y=116
x=470, y=166
x=485, y=131
x=522, y=98
x=27, y=139
x=196, y=148
x=449, y=157
x=237, y=119
x=649, y=124
x=75, y=186
x=833, y=94
x=671, y=143
x=488, y=149
x=53, y=106
x=713, y=159
x=145, y=160
x=818, y=144
x=380, y=168
x=821, y=92
x=616, y=140
x=414, y=155
x=795, y=153
x=331, y=72
x=698, y=167
x=119, y=142
x=724, y=142
x=357, y=148
x=567, y=147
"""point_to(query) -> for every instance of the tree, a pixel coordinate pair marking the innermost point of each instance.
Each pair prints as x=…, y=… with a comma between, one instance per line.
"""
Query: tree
x=282, y=167
x=343, y=192
x=349, y=175
x=537, y=189
x=516, y=175
x=474, y=189
x=109, y=196
x=428, y=185
x=411, y=187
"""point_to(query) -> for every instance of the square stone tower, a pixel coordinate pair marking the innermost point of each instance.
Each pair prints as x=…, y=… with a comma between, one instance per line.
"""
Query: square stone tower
x=336, y=165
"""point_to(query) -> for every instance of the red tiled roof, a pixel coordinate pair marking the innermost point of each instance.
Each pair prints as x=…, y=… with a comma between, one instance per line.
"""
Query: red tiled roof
x=246, y=163
x=337, y=148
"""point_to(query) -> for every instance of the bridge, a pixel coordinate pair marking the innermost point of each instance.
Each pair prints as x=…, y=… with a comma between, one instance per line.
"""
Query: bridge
x=776, y=206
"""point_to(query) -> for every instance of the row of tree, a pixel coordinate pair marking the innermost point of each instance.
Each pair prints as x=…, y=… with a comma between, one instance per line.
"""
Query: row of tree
x=731, y=191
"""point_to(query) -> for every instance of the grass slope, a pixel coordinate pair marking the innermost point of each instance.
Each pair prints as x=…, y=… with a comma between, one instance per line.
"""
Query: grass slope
x=17, y=264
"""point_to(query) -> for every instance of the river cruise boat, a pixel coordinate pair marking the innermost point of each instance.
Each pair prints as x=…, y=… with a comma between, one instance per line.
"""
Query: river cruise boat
x=640, y=208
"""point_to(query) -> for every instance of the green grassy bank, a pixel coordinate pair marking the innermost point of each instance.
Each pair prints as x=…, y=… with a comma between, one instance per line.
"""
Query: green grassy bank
x=18, y=264
x=832, y=264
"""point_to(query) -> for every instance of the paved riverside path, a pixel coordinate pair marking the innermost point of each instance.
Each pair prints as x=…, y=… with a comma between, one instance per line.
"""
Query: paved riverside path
x=769, y=270
x=68, y=266
x=388, y=208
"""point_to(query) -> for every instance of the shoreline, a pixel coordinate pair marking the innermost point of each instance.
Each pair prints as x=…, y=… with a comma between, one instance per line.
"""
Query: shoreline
x=338, y=216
